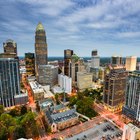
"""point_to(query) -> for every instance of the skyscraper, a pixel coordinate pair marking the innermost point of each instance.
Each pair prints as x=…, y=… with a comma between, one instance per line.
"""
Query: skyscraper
x=114, y=87
x=95, y=60
x=67, y=59
x=9, y=81
x=10, y=47
x=132, y=96
x=30, y=63
x=130, y=63
x=41, y=50
x=116, y=60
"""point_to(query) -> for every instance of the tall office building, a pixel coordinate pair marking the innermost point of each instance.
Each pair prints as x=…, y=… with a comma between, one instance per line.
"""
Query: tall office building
x=132, y=96
x=9, y=81
x=30, y=64
x=114, y=87
x=84, y=80
x=48, y=75
x=95, y=60
x=130, y=63
x=116, y=60
x=10, y=47
x=76, y=65
x=41, y=51
x=67, y=59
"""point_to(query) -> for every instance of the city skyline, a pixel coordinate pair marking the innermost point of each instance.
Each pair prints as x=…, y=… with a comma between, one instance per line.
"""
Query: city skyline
x=111, y=27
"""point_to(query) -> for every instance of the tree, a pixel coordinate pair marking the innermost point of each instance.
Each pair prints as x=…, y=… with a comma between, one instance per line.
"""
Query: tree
x=23, y=110
x=29, y=123
x=1, y=109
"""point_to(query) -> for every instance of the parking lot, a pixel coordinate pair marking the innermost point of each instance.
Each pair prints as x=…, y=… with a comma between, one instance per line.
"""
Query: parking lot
x=103, y=131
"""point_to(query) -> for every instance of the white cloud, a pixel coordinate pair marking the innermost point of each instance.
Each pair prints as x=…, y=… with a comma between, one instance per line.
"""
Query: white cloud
x=128, y=34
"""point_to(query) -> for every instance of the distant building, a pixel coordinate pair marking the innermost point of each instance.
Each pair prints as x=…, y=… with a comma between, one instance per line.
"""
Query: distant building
x=37, y=90
x=76, y=65
x=65, y=83
x=84, y=80
x=116, y=60
x=10, y=47
x=138, y=66
x=48, y=75
x=132, y=96
x=9, y=81
x=95, y=60
x=67, y=59
x=41, y=51
x=30, y=64
x=130, y=63
x=131, y=132
x=114, y=87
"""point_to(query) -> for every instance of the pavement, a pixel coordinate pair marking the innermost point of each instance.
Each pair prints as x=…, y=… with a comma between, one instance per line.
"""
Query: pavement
x=97, y=133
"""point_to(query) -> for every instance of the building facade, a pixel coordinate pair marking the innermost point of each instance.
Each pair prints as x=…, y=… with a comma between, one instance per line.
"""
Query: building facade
x=10, y=46
x=30, y=64
x=130, y=63
x=65, y=83
x=9, y=81
x=114, y=87
x=131, y=132
x=48, y=75
x=67, y=59
x=84, y=80
x=132, y=96
x=95, y=60
x=76, y=65
x=41, y=51
x=116, y=60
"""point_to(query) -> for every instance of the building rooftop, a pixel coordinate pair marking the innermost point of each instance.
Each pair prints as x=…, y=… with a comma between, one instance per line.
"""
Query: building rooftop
x=63, y=116
x=36, y=87
x=45, y=103
x=133, y=127
x=40, y=27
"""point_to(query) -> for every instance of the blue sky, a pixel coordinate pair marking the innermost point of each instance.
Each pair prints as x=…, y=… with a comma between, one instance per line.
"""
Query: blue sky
x=110, y=26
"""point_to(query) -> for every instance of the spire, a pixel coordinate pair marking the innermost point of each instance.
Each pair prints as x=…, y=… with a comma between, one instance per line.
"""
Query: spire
x=40, y=27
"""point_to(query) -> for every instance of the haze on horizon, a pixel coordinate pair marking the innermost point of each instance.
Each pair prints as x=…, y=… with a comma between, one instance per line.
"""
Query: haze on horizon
x=111, y=27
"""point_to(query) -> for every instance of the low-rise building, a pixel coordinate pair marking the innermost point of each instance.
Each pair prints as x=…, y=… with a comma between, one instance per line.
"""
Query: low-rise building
x=131, y=132
x=84, y=80
x=37, y=90
x=60, y=121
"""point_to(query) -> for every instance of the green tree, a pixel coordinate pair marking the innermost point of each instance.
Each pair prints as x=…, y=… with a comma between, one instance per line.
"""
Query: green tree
x=23, y=110
x=29, y=123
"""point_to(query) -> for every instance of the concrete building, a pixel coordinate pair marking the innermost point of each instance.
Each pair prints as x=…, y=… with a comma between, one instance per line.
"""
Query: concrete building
x=84, y=80
x=132, y=96
x=10, y=47
x=62, y=120
x=41, y=51
x=30, y=64
x=9, y=81
x=37, y=90
x=131, y=132
x=48, y=75
x=130, y=63
x=114, y=87
x=95, y=60
x=67, y=59
x=76, y=65
x=116, y=60
x=65, y=83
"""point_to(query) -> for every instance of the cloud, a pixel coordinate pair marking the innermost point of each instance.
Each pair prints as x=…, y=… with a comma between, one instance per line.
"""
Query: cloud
x=49, y=7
